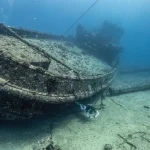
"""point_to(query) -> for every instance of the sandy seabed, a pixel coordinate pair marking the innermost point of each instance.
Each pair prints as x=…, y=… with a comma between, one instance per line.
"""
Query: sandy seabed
x=124, y=123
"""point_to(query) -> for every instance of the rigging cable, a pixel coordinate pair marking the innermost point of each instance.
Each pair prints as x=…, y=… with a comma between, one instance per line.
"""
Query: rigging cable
x=80, y=17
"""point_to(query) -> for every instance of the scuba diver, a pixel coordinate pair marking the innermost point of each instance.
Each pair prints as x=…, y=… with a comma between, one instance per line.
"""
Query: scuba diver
x=91, y=111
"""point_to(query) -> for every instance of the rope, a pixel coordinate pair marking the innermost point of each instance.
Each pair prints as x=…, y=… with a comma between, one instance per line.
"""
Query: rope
x=80, y=17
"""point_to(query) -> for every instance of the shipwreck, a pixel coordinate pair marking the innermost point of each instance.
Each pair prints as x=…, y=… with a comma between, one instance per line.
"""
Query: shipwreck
x=33, y=81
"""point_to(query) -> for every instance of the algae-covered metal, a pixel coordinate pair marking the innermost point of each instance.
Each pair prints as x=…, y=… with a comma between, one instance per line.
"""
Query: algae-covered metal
x=27, y=81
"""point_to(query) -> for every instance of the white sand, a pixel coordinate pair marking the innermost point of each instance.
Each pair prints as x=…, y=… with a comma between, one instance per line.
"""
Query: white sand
x=78, y=133
x=132, y=78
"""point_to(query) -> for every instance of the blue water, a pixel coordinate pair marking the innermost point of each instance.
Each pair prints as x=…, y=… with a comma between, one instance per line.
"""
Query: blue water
x=55, y=16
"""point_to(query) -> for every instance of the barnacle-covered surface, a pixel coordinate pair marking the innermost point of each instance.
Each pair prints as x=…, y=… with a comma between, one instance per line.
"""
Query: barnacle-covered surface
x=14, y=48
x=70, y=54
